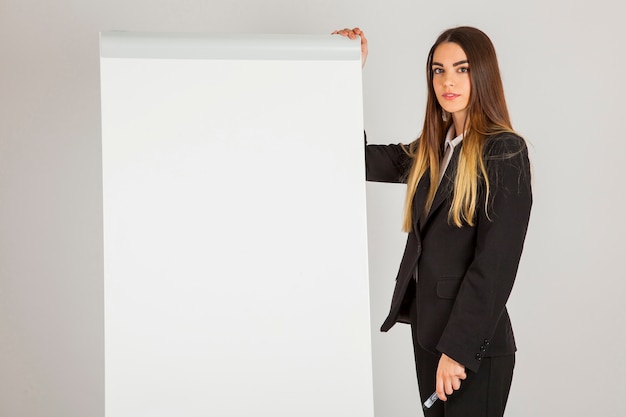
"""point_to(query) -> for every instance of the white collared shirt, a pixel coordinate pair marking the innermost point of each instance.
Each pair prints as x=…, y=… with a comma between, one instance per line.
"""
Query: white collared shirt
x=449, y=144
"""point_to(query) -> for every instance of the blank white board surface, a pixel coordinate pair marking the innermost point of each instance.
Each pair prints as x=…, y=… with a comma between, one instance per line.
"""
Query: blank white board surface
x=235, y=241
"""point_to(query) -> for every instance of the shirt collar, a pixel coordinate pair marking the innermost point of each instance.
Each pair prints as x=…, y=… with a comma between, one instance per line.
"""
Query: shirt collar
x=451, y=140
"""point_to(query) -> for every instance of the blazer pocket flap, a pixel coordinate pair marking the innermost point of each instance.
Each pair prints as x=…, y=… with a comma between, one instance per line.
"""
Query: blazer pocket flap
x=448, y=288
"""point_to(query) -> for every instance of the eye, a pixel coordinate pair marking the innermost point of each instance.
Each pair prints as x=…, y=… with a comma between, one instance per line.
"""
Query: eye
x=463, y=69
x=437, y=70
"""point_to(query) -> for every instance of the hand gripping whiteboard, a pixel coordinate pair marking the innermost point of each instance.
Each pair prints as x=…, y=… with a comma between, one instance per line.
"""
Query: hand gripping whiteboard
x=236, y=278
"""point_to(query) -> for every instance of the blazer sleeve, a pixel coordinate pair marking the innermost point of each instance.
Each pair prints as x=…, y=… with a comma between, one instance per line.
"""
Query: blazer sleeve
x=501, y=232
x=386, y=163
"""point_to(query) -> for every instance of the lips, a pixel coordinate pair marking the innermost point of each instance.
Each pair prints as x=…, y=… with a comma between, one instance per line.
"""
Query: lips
x=450, y=96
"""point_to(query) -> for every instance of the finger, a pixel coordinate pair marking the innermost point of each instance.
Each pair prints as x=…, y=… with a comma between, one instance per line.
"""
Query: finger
x=345, y=32
x=362, y=35
x=462, y=375
x=440, y=392
x=349, y=33
x=448, y=385
x=456, y=384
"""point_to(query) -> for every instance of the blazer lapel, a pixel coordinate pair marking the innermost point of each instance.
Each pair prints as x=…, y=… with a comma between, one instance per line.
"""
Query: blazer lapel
x=445, y=188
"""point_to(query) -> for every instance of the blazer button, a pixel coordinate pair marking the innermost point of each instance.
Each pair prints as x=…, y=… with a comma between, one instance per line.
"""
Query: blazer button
x=486, y=342
x=483, y=348
x=478, y=357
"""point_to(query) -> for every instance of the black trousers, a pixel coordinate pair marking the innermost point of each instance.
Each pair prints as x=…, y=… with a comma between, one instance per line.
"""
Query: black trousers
x=482, y=394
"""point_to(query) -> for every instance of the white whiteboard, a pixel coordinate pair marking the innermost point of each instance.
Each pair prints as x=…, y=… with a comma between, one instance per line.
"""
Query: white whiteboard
x=236, y=279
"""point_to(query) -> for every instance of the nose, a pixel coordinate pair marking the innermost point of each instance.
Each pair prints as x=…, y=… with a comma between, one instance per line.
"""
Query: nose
x=448, y=79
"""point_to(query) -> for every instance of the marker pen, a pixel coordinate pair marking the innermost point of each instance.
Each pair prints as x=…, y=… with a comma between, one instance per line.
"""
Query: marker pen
x=430, y=401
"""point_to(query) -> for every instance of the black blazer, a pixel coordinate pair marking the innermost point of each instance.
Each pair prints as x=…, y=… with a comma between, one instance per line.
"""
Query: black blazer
x=464, y=275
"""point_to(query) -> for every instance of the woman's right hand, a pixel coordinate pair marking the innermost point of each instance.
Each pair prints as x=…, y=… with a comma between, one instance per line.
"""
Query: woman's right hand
x=352, y=34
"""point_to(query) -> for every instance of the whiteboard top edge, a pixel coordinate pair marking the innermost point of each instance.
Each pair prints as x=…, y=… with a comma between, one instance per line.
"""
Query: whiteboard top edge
x=119, y=44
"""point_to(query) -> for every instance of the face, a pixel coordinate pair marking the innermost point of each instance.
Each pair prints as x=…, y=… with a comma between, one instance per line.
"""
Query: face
x=451, y=80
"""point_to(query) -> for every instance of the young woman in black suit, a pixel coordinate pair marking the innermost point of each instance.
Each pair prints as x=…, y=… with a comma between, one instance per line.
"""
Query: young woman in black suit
x=466, y=213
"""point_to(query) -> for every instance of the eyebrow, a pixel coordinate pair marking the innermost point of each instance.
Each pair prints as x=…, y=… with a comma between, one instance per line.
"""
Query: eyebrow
x=465, y=61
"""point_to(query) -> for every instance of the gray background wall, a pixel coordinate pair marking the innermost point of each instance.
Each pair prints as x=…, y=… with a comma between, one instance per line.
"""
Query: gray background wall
x=563, y=67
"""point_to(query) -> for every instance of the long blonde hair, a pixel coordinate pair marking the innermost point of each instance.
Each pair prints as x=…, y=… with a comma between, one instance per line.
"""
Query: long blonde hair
x=487, y=115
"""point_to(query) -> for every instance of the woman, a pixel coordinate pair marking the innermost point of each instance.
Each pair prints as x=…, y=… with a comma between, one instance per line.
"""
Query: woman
x=466, y=213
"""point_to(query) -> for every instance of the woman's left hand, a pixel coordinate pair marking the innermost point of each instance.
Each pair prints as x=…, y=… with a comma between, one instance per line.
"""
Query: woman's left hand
x=450, y=373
